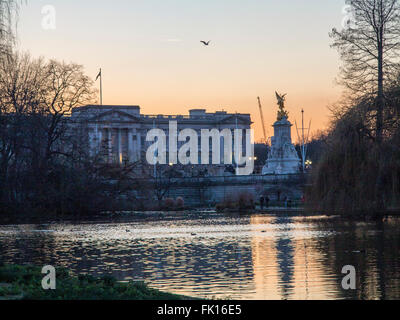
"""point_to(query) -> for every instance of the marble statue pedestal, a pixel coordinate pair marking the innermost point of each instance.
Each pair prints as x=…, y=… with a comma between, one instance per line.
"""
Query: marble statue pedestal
x=282, y=156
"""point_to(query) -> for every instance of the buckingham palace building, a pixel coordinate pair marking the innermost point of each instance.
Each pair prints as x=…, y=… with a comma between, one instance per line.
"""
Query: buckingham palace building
x=122, y=130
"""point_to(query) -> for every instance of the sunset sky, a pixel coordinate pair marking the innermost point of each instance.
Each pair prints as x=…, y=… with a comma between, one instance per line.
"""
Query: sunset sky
x=151, y=54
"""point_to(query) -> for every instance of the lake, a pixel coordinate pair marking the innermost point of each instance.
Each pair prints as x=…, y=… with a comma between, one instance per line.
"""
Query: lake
x=211, y=255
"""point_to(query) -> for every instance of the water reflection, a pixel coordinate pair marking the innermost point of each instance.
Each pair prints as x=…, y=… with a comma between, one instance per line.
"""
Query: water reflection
x=254, y=257
x=289, y=265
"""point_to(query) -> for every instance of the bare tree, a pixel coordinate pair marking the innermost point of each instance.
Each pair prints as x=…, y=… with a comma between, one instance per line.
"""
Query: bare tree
x=8, y=16
x=369, y=49
x=20, y=84
x=36, y=137
x=67, y=87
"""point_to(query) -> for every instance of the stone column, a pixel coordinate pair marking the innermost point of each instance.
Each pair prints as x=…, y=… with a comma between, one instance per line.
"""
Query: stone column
x=221, y=150
x=130, y=146
x=99, y=137
x=92, y=142
x=110, y=147
x=120, y=151
x=138, y=145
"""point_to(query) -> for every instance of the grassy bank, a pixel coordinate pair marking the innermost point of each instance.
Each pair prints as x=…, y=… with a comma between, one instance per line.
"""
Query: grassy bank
x=24, y=283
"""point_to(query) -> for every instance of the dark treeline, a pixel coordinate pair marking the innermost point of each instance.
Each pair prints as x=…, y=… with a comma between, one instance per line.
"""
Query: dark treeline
x=359, y=169
x=42, y=163
x=354, y=174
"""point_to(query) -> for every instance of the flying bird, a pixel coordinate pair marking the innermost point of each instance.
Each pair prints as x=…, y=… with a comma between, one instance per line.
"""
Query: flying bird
x=205, y=43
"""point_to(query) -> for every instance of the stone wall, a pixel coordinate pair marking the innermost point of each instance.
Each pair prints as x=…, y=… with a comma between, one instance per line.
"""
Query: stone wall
x=212, y=190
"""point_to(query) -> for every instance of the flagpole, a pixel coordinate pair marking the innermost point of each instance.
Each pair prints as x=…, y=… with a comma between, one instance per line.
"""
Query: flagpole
x=101, y=88
x=97, y=111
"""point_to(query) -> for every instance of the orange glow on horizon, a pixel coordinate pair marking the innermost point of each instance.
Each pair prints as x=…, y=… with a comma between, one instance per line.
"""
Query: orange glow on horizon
x=315, y=107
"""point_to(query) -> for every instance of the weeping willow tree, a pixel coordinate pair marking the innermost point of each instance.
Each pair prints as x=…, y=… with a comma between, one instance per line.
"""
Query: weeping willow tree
x=345, y=178
x=360, y=168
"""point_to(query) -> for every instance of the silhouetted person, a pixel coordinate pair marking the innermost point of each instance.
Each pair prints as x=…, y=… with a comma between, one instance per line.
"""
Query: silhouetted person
x=230, y=169
x=262, y=202
x=267, y=202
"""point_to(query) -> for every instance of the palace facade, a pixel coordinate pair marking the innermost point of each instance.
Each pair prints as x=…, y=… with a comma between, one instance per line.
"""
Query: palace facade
x=122, y=130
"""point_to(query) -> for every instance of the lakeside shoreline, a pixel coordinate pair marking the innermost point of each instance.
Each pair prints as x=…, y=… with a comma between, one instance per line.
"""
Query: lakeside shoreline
x=121, y=216
x=24, y=282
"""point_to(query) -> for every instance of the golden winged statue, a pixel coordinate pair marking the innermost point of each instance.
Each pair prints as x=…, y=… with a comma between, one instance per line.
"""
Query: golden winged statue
x=282, y=113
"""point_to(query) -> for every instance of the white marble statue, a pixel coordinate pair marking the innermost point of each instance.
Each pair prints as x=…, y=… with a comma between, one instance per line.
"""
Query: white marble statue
x=282, y=156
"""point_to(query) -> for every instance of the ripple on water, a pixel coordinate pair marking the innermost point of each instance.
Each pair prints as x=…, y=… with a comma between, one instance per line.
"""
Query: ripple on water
x=254, y=257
